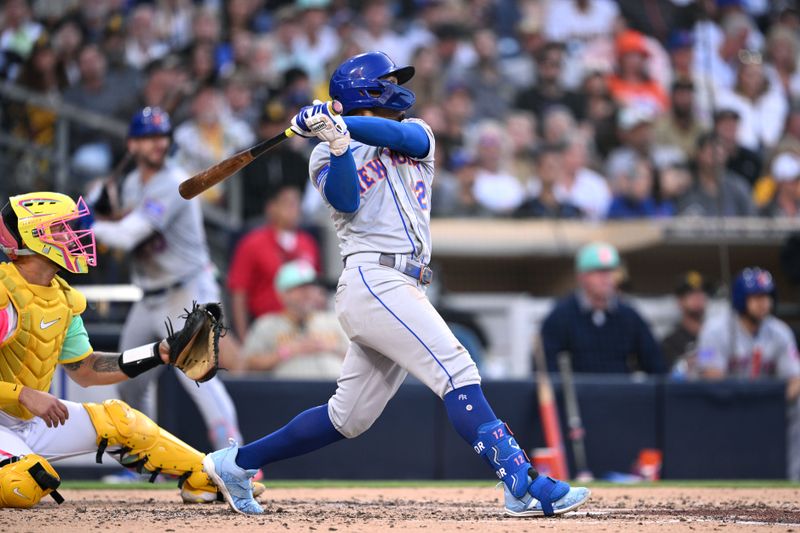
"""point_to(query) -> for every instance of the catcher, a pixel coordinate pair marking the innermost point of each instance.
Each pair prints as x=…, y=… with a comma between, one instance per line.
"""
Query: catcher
x=41, y=326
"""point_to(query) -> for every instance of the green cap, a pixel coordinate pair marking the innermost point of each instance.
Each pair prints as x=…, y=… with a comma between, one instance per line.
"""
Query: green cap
x=597, y=256
x=294, y=274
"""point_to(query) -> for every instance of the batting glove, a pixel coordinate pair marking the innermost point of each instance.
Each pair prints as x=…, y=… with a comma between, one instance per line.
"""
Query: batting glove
x=300, y=124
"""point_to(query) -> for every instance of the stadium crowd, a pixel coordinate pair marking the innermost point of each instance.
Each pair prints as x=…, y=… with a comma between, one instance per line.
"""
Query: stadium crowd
x=558, y=109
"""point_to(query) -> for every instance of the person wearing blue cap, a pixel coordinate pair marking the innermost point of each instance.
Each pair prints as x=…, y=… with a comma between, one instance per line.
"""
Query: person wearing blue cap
x=601, y=332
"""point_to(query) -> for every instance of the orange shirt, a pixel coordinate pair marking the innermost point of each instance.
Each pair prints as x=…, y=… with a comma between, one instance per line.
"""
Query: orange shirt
x=631, y=94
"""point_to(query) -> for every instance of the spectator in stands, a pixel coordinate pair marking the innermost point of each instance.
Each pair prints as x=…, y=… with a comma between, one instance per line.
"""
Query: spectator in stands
x=301, y=342
x=40, y=73
x=239, y=99
x=585, y=27
x=790, y=141
x=427, y=83
x=634, y=182
x=143, y=44
x=173, y=22
x=781, y=53
x=583, y=187
x=491, y=92
x=18, y=32
x=520, y=127
x=281, y=166
x=680, y=344
x=209, y=136
x=316, y=41
x=101, y=93
x=549, y=90
x=738, y=159
x=558, y=124
x=631, y=85
x=680, y=126
x=761, y=105
x=495, y=189
x=545, y=203
x=711, y=194
x=786, y=173
x=637, y=136
x=259, y=255
x=601, y=112
x=67, y=41
x=601, y=332
x=377, y=33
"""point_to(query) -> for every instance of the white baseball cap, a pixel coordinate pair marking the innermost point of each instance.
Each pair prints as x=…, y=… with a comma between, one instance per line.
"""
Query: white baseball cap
x=786, y=167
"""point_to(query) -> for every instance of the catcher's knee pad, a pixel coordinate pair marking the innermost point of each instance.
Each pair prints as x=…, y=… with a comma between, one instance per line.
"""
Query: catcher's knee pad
x=25, y=480
x=144, y=445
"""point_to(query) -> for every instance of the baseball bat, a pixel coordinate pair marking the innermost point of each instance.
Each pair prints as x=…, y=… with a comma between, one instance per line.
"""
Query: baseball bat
x=548, y=411
x=209, y=177
x=574, y=421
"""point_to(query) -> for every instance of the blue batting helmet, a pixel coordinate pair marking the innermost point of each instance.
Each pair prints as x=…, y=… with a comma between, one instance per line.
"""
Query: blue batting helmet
x=149, y=122
x=751, y=281
x=359, y=83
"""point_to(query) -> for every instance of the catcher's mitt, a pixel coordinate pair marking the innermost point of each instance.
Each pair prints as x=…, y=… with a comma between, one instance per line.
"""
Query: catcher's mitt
x=194, y=349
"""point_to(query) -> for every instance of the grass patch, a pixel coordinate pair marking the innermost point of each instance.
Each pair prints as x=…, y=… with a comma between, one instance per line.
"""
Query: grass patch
x=379, y=484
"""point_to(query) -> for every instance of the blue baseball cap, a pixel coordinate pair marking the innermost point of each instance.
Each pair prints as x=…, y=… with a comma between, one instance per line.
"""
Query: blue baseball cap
x=597, y=256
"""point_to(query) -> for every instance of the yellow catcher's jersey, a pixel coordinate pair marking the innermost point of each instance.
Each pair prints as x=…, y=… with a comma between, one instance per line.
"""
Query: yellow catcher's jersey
x=44, y=317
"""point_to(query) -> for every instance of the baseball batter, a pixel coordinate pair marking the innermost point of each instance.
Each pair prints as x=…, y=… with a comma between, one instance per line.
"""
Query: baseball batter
x=170, y=262
x=40, y=327
x=375, y=169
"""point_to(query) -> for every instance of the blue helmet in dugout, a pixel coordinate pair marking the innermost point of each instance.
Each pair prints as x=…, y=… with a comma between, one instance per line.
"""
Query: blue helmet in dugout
x=149, y=122
x=749, y=282
x=360, y=83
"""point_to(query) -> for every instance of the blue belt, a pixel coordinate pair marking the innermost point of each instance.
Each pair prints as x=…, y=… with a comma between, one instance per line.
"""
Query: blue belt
x=415, y=269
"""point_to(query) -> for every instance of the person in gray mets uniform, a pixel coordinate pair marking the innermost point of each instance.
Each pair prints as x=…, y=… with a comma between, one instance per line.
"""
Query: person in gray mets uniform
x=374, y=169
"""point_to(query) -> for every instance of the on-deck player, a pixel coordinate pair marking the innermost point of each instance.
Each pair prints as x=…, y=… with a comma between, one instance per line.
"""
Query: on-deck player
x=40, y=327
x=170, y=262
x=378, y=188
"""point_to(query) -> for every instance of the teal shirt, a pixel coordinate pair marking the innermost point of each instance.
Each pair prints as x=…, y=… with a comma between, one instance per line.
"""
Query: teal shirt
x=76, y=343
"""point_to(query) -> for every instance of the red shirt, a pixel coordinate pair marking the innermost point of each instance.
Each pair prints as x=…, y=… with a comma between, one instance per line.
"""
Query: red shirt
x=256, y=261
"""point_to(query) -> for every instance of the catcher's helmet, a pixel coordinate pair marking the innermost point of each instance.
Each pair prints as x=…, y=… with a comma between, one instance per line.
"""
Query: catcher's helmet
x=359, y=83
x=149, y=122
x=751, y=281
x=39, y=223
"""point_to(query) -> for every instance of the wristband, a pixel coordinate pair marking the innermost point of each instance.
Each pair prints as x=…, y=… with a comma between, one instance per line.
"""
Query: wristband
x=140, y=359
x=9, y=393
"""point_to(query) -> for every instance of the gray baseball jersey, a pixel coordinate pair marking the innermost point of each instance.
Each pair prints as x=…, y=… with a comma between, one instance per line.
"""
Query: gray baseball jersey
x=393, y=328
x=177, y=250
x=771, y=352
x=394, y=216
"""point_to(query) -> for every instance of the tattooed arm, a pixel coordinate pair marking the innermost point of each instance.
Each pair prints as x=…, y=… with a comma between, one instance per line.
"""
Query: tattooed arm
x=102, y=368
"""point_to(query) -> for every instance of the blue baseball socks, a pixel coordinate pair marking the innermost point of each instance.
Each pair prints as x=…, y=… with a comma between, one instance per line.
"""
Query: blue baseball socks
x=310, y=430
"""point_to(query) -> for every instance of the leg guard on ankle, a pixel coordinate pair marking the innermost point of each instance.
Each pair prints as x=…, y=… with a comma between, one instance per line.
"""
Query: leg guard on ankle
x=25, y=480
x=145, y=446
x=498, y=446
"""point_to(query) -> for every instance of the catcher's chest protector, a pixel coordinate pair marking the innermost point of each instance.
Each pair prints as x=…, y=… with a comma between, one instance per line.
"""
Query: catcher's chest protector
x=30, y=355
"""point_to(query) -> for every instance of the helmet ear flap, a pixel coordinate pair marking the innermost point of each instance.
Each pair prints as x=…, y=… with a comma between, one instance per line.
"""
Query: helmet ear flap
x=10, y=237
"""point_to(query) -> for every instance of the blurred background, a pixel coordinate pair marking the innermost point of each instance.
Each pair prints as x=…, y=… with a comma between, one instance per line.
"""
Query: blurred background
x=663, y=132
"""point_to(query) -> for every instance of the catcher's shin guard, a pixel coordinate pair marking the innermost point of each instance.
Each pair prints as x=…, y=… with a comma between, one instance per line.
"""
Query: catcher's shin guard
x=143, y=445
x=25, y=480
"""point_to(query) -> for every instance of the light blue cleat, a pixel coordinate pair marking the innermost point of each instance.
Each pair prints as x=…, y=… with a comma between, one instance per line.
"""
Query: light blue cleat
x=233, y=481
x=554, y=498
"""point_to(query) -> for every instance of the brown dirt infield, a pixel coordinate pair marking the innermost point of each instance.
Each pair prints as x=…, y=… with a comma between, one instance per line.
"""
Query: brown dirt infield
x=438, y=510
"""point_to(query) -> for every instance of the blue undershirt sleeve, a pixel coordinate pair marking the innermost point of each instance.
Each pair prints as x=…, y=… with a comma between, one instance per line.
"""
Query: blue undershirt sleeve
x=404, y=137
x=341, y=183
